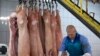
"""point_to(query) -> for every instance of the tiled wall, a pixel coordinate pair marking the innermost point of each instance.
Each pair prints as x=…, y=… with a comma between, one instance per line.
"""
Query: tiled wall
x=7, y=6
x=4, y=32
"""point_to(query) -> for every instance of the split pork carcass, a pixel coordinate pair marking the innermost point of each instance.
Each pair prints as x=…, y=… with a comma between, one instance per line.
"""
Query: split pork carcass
x=48, y=33
x=23, y=40
x=13, y=40
x=58, y=30
x=53, y=28
x=36, y=46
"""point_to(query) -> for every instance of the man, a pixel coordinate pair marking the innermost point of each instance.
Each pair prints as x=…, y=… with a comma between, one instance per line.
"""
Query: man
x=75, y=44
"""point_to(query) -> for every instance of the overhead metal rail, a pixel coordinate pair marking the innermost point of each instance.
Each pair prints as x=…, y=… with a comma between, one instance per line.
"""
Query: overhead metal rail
x=82, y=15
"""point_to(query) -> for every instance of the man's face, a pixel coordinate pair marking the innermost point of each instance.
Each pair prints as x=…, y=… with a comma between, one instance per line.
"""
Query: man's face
x=71, y=32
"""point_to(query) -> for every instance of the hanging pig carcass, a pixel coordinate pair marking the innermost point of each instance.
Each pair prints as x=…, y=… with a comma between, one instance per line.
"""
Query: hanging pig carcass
x=53, y=28
x=58, y=30
x=42, y=29
x=23, y=41
x=36, y=46
x=13, y=41
x=48, y=33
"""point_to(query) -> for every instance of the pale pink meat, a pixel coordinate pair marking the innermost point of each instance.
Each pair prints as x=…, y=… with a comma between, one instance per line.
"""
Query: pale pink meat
x=36, y=46
x=13, y=41
x=48, y=33
x=23, y=41
x=53, y=27
x=58, y=30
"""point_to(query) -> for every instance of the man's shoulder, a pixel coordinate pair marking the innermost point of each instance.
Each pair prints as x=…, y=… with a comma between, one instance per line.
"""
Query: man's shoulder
x=83, y=38
x=65, y=38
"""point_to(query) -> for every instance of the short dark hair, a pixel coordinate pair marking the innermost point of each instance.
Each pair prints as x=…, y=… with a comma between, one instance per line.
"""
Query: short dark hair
x=70, y=27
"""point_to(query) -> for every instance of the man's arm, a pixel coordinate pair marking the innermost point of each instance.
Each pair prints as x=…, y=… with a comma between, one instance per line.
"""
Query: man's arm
x=62, y=50
x=86, y=46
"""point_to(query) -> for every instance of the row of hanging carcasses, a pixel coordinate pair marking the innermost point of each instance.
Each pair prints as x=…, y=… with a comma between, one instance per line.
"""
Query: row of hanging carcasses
x=34, y=32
